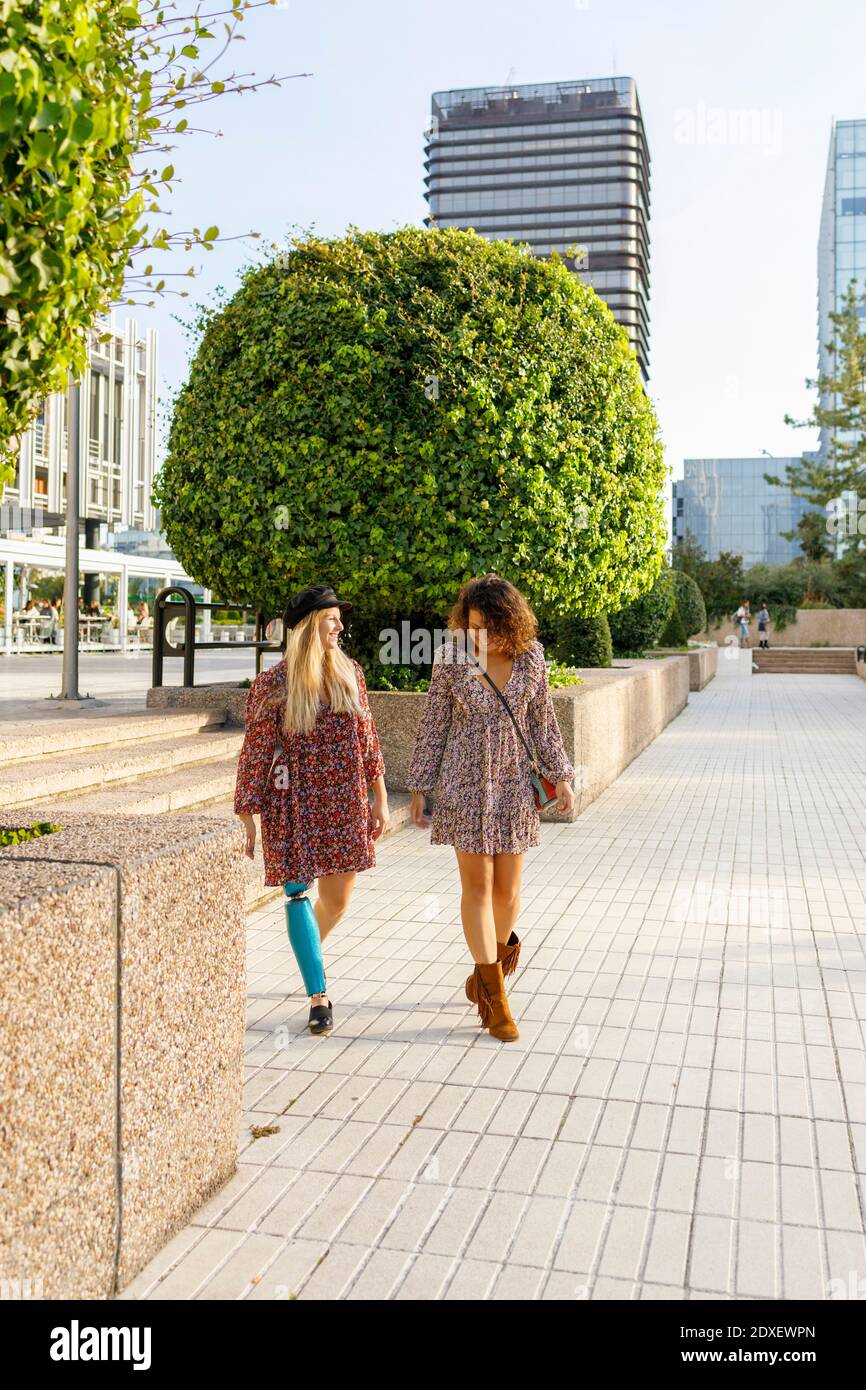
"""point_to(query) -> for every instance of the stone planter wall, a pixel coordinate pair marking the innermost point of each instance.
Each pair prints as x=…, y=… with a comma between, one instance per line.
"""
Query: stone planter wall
x=226, y=696
x=825, y=627
x=703, y=664
x=122, y=953
x=605, y=722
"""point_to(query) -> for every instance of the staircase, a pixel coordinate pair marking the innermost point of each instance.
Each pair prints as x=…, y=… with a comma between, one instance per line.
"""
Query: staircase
x=804, y=661
x=135, y=763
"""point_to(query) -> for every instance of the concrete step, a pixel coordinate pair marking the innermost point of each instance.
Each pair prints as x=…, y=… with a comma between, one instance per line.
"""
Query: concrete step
x=805, y=661
x=57, y=733
x=188, y=788
x=56, y=776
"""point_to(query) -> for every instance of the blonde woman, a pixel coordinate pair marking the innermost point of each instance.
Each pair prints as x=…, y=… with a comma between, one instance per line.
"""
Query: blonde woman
x=309, y=755
x=469, y=751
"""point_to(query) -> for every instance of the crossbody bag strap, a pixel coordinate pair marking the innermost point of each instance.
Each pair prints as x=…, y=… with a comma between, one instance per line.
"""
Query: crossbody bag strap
x=495, y=688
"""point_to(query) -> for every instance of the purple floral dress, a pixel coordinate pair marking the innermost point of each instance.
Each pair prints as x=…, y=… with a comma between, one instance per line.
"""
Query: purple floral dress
x=467, y=750
x=310, y=789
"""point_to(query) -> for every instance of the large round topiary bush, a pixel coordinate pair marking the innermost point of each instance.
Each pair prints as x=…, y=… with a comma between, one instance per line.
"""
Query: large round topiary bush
x=641, y=624
x=690, y=602
x=394, y=413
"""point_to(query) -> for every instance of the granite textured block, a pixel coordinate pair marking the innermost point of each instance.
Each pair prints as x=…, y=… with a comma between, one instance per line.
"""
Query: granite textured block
x=227, y=696
x=58, y=1080
x=123, y=956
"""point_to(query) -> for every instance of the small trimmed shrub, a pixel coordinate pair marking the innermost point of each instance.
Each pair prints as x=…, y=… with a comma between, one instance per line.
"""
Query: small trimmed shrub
x=689, y=602
x=642, y=623
x=583, y=641
x=675, y=634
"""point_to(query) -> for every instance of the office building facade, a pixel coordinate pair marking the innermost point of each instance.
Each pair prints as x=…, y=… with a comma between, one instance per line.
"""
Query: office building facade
x=727, y=505
x=122, y=555
x=117, y=439
x=842, y=237
x=552, y=165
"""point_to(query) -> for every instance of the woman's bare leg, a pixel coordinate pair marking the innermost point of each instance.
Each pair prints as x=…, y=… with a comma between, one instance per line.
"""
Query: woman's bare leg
x=476, y=905
x=335, y=890
x=507, y=871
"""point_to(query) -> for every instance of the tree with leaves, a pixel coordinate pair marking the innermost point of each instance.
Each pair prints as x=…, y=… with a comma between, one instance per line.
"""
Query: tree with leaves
x=92, y=92
x=402, y=411
x=720, y=581
x=840, y=409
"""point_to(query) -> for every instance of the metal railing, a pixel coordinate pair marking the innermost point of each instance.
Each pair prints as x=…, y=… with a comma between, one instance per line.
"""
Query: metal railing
x=186, y=601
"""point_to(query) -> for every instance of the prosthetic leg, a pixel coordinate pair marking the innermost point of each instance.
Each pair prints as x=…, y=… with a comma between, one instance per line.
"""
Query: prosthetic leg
x=303, y=930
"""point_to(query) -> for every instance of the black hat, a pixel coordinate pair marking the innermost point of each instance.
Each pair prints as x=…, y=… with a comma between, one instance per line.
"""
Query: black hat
x=309, y=600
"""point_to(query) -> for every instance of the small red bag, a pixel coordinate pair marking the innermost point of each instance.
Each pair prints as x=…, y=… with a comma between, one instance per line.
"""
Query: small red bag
x=543, y=789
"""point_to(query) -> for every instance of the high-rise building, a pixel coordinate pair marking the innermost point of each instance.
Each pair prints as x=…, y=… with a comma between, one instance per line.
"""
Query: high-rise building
x=123, y=557
x=552, y=164
x=842, y=238
x=727, y=505
x=117, y=433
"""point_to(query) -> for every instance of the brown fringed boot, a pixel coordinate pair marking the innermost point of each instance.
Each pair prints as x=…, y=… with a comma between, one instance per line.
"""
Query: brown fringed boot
x=493, y=1007
x=508, y=954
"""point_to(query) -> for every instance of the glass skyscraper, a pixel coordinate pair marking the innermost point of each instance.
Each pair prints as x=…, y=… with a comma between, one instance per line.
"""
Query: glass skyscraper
x=842, y=238
x=727, y=505
x=553, y=165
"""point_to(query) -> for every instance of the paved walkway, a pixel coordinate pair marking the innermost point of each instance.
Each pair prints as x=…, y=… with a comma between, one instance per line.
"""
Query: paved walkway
x=685, y=1112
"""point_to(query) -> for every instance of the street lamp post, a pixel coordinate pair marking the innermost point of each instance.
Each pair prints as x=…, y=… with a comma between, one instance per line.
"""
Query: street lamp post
x=70, y=691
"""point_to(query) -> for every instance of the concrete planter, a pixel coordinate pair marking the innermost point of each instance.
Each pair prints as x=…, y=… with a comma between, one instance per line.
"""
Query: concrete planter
x=703, y=664
x=227, y=696
x=111, y=637
x=122, y=951
x=605, y=722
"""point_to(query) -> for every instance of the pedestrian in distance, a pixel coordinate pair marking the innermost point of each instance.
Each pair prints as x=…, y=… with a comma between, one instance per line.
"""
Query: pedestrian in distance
x=763, y=625
x=309, y=757
x=742, y=618
x=488, y=728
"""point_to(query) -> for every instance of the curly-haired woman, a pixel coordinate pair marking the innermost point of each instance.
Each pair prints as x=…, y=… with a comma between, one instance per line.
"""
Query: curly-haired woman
x=469, y=751
x=309, y=755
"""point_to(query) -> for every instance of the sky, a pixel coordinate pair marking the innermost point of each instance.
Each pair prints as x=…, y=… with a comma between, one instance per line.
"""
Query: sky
x=738, y=102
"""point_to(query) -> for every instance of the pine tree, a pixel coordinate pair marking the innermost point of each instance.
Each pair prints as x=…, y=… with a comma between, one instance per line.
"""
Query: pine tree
x=840, y=409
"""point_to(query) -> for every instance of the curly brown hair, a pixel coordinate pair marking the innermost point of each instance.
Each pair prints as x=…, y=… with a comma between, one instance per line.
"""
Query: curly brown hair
x=509, y=619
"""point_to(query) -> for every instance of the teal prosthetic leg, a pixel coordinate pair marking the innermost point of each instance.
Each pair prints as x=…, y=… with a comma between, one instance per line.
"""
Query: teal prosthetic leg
x=304, y=937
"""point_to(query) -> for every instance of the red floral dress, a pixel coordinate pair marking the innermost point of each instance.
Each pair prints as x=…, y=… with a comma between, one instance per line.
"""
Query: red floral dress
x=309, y=789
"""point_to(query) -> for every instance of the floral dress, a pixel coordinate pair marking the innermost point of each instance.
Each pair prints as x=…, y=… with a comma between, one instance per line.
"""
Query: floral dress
x=310, y=789
x=468, y=751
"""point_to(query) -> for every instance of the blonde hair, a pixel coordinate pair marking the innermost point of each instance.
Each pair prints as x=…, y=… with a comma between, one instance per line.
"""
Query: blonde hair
x=310, y=668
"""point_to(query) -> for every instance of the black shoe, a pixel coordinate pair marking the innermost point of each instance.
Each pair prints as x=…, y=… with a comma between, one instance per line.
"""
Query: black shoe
x=321, y=1018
